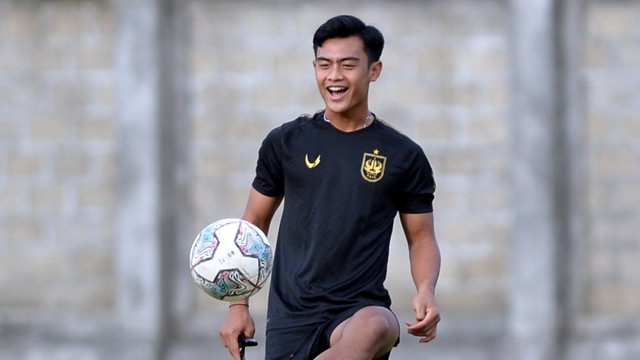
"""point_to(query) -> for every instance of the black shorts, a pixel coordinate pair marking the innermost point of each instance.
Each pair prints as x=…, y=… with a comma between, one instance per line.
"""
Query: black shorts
x=305, y=342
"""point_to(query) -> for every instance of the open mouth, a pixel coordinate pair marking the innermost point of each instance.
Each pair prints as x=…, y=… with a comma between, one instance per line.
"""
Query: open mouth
x=337, y=90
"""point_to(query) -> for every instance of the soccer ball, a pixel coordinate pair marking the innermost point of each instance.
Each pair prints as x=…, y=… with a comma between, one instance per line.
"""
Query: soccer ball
x=231, y=259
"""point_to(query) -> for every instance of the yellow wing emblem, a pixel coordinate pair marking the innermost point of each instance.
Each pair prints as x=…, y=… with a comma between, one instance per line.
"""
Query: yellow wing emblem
x=310, y=164
x=373, y=165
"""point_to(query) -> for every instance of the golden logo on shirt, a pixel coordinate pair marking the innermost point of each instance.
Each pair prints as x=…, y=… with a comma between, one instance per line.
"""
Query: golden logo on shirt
x=310, y=164
x=373, y=166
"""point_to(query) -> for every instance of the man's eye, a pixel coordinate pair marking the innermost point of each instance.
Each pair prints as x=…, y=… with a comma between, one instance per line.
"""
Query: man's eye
x=348, y=66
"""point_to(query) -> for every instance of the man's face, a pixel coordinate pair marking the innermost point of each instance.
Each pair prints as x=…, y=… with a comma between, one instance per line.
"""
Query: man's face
x=343, y=76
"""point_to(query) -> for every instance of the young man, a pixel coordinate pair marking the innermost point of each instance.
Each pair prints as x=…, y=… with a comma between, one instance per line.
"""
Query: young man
x=344, y=175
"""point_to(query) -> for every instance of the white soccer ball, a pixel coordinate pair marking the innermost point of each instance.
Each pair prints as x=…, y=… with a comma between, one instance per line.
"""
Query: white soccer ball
x=231, y=259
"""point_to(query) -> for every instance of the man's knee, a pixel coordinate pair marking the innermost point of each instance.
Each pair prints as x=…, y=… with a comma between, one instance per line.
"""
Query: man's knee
x=378, y=324
x=381, y=323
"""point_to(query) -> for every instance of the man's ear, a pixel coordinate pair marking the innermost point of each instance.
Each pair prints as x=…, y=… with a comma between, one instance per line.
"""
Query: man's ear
x=374, y=70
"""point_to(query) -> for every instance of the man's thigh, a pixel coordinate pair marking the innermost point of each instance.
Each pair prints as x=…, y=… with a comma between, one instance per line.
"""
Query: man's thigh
x=360, y=320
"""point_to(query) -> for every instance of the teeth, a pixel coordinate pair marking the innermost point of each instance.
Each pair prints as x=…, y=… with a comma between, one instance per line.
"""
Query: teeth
x=337, y=88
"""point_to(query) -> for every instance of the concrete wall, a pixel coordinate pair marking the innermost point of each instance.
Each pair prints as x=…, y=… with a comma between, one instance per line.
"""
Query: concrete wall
x=57, y=156
x=89, y=116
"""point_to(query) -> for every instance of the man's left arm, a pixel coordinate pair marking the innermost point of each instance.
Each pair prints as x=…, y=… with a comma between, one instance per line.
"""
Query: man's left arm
x=424, y=255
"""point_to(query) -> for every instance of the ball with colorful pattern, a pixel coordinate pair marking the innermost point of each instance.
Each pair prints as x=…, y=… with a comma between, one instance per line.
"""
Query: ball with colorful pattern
x=231, y=259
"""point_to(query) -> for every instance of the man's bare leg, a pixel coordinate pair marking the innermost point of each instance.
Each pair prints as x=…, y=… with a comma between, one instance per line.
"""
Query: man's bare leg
x=370, y=333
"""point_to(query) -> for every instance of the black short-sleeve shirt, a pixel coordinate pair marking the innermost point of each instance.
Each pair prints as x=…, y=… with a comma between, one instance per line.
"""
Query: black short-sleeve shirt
x=342, y=191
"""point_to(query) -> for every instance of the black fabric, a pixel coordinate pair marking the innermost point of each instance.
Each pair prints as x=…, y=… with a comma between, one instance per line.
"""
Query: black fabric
x=333, y=242
x=306, y=342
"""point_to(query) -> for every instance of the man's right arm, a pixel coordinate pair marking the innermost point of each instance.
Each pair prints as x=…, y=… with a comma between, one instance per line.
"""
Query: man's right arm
x=259, y=211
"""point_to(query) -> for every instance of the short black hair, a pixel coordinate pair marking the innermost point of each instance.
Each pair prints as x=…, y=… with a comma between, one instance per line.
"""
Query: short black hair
x=343, y=26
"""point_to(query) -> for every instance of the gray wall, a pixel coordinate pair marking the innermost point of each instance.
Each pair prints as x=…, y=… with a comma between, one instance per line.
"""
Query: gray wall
x=125, y=127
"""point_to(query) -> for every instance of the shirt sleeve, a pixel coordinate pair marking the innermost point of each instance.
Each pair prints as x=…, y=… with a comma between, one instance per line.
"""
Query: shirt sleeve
x=418, y=190
x=269, y=179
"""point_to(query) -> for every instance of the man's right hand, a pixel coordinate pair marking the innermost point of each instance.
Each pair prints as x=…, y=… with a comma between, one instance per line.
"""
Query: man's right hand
x=238, y=322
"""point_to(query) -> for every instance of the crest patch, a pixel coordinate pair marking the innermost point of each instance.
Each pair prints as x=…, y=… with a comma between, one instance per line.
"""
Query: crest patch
x=373, y=165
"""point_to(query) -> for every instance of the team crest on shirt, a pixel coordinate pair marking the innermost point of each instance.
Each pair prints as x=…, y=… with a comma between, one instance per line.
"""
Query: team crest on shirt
x=372, y=169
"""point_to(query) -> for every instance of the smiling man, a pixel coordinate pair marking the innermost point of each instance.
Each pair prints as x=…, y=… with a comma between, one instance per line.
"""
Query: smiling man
x=344, y=175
